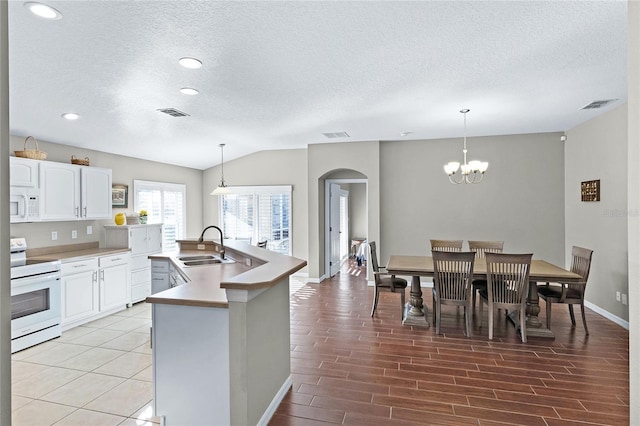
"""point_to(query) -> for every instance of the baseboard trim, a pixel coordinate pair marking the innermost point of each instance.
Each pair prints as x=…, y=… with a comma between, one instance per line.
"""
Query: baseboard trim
x=608, y=315
x=271, y=409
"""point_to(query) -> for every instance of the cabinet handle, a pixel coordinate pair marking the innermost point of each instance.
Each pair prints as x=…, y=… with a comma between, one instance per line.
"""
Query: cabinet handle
x=85, y=211
x=77, y=211
x=79, y=266
x=102, y=275
x=95, y=276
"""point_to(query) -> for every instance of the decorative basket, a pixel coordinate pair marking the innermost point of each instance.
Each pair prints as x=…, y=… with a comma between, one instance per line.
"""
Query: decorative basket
x=34, y=154
x=80, y=161
x=133, y=219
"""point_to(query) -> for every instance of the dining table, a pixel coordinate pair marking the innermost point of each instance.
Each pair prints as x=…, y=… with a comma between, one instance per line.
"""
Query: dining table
x=422, y=266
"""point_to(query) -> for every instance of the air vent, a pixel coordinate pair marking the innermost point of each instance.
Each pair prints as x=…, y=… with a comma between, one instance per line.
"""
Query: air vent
x=336, y=135
x=598, y=104
x=174, y=112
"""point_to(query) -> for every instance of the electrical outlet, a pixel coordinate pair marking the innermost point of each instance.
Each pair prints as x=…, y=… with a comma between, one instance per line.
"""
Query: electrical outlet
x=247, y=262
x=54, y=235
x=624, y=299
x=617, y=296
x=89, y=229
x=74, y=234
x=200, y=246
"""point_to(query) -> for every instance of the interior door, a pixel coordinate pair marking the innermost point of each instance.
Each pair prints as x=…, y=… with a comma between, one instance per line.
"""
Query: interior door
x=334, y=229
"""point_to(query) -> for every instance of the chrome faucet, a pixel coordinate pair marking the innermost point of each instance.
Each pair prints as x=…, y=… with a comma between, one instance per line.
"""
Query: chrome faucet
x=201, y=239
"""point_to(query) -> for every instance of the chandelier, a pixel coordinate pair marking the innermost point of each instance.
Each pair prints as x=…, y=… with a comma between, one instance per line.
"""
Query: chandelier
x=471, y=172
x=222, y=189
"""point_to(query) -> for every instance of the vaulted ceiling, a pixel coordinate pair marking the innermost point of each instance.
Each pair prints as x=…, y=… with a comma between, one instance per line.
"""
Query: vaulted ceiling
x=276, y=75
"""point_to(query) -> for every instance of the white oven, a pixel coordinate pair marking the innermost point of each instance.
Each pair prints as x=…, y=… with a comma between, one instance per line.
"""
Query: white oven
x=24, y=205
x=35, y=299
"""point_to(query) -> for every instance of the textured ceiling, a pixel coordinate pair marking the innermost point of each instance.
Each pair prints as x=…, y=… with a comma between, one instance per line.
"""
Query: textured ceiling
x=278, y=74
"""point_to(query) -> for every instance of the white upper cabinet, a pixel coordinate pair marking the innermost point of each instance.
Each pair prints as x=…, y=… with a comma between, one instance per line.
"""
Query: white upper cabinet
x=59, y=191
x=71, y=192
x=23, y=172
x=95, y=193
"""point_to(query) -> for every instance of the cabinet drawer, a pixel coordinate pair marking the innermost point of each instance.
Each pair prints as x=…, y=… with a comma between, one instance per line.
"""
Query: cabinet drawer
x=116, y=259
x=141, y=277
x=140, y=262
x=140, y=292
x=160, y=266
x=77, y=266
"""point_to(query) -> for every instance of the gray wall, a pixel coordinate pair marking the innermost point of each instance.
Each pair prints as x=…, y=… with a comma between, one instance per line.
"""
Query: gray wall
x=520, y=201
x=357, y=210
x=5, y=290
x=125, y=170
x=633, y=75
x=281, y=167
x=598, y=150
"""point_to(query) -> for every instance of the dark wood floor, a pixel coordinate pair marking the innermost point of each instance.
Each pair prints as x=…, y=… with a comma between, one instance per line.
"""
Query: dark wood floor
x=349, y=368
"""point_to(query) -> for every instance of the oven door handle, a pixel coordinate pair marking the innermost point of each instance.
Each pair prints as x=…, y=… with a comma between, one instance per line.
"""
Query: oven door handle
x=35, y=279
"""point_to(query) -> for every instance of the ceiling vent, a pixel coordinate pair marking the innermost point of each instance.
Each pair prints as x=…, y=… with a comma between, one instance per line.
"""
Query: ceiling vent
x=174, y=112
x=598, y=104
x=336, y=135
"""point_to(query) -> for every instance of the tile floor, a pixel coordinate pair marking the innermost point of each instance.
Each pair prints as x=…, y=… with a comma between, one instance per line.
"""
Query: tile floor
x=96, y=374
x=351, y=369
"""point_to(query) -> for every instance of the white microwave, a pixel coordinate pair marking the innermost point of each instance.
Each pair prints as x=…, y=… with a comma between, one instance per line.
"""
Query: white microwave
x=24, y=205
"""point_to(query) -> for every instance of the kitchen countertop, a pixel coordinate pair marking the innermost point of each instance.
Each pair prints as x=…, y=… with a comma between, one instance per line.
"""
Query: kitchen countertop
x=208, y=283
x=70, y=253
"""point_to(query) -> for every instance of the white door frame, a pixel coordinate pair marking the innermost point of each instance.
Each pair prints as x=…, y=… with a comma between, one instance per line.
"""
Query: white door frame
x=327, y=211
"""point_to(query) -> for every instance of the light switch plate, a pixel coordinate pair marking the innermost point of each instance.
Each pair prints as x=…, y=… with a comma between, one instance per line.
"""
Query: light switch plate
x=74, y=234
x=89, y=229
x=54, y=235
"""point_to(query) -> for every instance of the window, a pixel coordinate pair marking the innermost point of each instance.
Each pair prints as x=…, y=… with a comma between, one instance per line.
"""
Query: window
x=165, y=203
x=258, y=213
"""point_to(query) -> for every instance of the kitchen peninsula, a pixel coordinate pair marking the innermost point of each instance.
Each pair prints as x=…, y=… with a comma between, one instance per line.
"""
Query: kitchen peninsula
x=221, y=342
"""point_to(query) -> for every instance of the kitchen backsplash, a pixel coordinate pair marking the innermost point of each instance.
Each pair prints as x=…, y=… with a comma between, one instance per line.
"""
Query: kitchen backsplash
x=39, y=234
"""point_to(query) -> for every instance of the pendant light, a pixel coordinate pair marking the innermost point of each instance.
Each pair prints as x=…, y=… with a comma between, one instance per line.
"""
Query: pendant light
x=222, y=189
x=471, y=172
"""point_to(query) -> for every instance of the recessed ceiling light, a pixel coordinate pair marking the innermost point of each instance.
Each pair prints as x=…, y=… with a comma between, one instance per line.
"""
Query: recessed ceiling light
x=70, y=116
x=191, y=63
x=43, y=11
x=188, y=91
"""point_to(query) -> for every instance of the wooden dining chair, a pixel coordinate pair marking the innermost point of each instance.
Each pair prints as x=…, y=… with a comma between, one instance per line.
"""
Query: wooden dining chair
x=452, y=273
x=384, y=281
x=480, y=248
x=570, y=294
x=507, y=286
x=446, y=245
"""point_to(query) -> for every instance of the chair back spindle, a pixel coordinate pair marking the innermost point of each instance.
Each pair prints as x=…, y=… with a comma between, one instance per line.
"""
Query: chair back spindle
x=446, y=245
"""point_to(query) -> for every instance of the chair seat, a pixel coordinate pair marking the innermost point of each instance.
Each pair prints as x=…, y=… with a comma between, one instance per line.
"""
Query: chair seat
x=555, y=292
x=392, y=282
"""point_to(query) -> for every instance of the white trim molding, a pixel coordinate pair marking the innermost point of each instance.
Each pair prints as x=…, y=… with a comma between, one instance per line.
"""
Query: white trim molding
x=608, y=315
x=275, y=402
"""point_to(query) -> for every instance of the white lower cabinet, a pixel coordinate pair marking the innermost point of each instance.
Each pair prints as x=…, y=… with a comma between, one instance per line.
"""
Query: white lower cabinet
x=115, y=276
x=94, y=287
x=80, y=291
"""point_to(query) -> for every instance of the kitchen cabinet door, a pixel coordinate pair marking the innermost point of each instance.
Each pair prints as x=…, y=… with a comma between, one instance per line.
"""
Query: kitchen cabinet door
x=114, y=286
x=95, y=193
x=80, y=296
x=23, y=172
x=59, y=191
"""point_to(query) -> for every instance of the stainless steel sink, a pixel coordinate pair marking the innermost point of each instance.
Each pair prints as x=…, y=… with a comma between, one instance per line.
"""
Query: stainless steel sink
x=198, y=257
x=201, y=262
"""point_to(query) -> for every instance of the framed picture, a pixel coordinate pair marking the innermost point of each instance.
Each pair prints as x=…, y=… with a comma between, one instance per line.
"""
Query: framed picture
x=119, y=196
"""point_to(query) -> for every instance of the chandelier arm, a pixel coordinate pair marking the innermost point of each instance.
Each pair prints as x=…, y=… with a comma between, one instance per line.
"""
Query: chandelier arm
x=455, y=181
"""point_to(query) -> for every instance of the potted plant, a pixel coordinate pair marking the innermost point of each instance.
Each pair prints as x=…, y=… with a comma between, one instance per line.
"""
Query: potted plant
x=143, y=216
